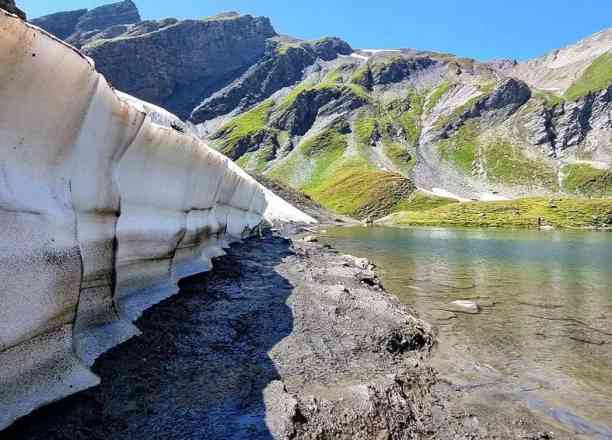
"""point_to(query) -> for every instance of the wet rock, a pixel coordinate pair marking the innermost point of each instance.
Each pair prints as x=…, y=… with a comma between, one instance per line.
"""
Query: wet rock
x=465, y=306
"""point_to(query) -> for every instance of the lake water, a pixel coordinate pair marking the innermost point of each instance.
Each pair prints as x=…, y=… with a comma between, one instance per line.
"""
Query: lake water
x=546, y=307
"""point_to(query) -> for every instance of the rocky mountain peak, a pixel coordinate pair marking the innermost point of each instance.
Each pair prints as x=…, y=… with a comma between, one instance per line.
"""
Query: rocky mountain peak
x=105, y=16
x=559, y=69
x=75, y=26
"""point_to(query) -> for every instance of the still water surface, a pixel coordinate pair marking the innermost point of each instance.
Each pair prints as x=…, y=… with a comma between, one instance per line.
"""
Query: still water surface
x=546, y=300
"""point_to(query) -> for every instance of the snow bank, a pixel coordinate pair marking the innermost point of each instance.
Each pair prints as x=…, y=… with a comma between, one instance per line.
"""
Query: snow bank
x=105, y=204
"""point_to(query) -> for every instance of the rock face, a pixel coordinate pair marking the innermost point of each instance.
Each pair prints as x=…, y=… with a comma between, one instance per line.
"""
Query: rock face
x=179, y=64
x=198, y=69
x=61, y=24
x=280, y=67
x=76, y=26
x=106, y=206
x=9, y=5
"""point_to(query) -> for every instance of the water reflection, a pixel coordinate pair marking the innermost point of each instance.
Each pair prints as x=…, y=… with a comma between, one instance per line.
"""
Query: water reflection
x=546, y=300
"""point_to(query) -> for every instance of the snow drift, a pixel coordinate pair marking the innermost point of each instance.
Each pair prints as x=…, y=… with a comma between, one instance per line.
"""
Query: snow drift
x=105, y=203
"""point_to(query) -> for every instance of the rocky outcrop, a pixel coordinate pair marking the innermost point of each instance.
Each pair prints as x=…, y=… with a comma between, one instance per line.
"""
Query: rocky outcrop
x=60, y=24
x=281, y=67
x=504, y=101
x=77, y=26
x=10, y=6
x=310, y=104
x=569, y=124
x=180, y=64
x=105, y=207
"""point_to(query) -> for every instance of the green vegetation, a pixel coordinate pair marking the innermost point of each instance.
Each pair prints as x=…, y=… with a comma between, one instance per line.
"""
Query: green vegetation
x=411, y=120
x=549, y=99
x=458, y=111
x=364, y=128
x=487, y=88
x=436, y=95
x=597, y=76
x=357, y=189
x=311, y=163
x=244, y=126
x=521, y=213
x=460, y=149
x=257, y=160
x=585, y=180
x=506, y=163
x=345, y=184
x=399, y=155
x=360, y=75
x=422, y=201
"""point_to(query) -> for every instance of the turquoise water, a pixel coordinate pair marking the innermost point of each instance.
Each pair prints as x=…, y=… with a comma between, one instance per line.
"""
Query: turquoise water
x=546, y=301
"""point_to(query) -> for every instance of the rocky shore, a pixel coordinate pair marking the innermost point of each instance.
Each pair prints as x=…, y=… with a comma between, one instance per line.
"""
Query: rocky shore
x=284, y=339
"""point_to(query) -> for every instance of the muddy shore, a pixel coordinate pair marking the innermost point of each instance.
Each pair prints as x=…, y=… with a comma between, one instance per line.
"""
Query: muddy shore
x=284, y=339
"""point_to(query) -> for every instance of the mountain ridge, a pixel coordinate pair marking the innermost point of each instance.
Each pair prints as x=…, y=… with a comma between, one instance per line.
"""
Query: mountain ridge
x=327, y=118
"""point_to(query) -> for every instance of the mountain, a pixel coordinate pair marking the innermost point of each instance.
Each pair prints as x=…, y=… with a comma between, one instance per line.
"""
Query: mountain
x=360, y=130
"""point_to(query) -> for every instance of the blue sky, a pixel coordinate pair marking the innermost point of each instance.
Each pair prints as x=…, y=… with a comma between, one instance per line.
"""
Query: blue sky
x=482, y=29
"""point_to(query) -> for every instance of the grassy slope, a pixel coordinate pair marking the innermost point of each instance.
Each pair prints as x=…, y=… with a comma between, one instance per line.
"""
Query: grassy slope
x=583, y=179
x=506, y=163
x=522, y=213
x=461, y=148
x=244, y=126
x=598, y=76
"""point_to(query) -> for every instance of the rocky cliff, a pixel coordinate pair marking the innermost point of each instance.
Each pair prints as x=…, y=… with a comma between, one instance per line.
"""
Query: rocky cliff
x=105, y=206
x=198, y=69
x=80, y=25
x=331, y=121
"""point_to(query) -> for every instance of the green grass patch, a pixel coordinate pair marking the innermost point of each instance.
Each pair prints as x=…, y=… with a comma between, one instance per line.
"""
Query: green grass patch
x=360, y=75
x=596, y=77
x=411, y=120
x=487, y=88
x=364, y=128
x=436, y=95
x=312, y=161
x=399, y=155
x=549, y=99
x=585, y=180
x=521, y=213
x=506, y=163
x=244, y=126
x=257, y=161
x=460, y=149
x=422, y=201
x=359, y=190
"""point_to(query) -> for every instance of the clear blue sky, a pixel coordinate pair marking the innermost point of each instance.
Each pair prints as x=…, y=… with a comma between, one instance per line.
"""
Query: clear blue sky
x=481, y=29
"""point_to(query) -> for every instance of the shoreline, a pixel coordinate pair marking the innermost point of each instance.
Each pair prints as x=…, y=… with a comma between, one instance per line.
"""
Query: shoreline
x=285, y=338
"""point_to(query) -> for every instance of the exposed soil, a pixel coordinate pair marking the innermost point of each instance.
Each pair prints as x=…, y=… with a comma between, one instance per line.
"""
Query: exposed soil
x=286, y=340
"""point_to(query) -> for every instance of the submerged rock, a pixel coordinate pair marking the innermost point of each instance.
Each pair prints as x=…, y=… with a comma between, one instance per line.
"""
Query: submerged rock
x=465, y=306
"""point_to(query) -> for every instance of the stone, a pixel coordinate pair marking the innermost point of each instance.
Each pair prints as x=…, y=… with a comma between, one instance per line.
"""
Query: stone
x=465, y=306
